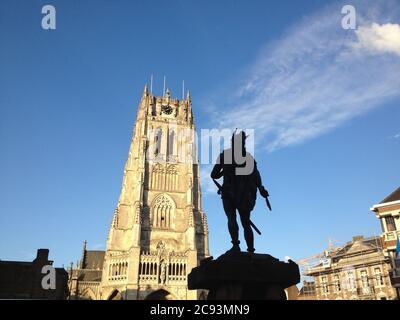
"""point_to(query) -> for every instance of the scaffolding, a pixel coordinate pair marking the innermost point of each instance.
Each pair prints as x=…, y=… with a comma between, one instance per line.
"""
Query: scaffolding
x=337, y=273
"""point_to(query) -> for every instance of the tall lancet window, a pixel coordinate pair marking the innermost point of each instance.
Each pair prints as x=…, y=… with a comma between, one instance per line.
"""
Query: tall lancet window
x=163, y=211
x=157, y=141
x=171, y=141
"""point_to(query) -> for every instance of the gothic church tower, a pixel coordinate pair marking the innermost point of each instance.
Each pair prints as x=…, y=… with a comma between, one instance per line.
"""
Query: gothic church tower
x=158, y=231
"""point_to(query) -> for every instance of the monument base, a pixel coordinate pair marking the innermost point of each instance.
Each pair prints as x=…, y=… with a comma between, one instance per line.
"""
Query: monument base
x=241, y=276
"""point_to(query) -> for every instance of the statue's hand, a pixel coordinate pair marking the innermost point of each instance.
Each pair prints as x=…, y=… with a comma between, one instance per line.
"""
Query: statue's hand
x=264, y=193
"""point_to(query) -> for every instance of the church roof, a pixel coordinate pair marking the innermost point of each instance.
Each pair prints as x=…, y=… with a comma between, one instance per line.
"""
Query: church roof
x=394, y=196
x=90, y=275
x=94, y=259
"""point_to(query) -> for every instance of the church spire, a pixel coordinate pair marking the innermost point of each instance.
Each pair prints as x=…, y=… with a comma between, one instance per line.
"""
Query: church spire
x=83, y=255
x=146, y=90
x=189, y=111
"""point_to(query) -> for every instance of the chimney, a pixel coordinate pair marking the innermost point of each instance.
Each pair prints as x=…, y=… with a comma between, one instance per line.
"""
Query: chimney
x=358, y=238
x=42, y=255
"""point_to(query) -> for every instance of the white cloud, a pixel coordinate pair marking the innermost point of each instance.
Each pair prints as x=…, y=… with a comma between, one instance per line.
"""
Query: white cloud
x=314, y=79
x=378, y=38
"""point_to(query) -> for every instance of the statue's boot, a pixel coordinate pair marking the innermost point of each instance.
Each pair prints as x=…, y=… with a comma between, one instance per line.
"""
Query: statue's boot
x=251, y=250
x=235, y=249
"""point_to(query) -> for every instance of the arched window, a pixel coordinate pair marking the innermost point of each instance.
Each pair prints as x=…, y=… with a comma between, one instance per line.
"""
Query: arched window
x=171, y=141
x=171, y=179
x=163, y=211
x=157, y=141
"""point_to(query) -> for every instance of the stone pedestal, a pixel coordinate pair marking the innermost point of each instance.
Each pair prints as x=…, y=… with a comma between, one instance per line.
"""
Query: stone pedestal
x=237, y=276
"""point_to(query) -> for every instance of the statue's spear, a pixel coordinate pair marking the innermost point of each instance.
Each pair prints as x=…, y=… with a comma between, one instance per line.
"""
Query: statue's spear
x=220, y=193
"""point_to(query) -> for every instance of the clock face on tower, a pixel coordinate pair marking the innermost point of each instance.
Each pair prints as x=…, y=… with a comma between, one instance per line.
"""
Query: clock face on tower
x=166, y=109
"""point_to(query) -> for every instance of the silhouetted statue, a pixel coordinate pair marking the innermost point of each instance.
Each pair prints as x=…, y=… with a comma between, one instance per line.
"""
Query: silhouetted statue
x=239, y=189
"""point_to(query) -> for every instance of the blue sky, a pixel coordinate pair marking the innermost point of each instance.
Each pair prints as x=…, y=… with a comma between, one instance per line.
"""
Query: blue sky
x=324, y=103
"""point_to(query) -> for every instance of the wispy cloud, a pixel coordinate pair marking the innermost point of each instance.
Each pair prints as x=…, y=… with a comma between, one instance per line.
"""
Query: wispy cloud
x=396, y=136
x=319, y=76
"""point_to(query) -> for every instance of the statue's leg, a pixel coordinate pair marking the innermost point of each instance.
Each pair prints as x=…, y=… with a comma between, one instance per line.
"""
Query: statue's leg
x=248, y=232
x=233, y=227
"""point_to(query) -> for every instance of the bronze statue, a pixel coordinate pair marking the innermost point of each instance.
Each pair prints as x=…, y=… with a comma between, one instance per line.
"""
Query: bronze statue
x=239, y=189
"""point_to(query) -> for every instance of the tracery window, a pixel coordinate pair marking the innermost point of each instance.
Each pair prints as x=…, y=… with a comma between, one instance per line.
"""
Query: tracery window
x=163, y=210
x=157, y=141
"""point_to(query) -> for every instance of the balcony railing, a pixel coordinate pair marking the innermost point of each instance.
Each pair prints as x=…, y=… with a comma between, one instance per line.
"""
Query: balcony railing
x=153, y=279
x=148, y=278
x=117, y=278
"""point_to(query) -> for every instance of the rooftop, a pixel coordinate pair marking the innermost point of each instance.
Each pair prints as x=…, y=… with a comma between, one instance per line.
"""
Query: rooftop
x=394, y=196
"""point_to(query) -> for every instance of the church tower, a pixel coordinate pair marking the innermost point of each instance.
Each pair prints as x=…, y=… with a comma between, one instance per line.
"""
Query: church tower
x=159, y=230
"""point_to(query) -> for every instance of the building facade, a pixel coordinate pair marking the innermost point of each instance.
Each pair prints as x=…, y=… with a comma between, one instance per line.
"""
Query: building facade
x=159, y=230
x=357, y=271
x=388, y=213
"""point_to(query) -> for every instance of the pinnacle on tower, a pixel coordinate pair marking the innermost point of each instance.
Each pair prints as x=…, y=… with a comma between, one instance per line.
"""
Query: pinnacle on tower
x=83, y=254
x=146, y=90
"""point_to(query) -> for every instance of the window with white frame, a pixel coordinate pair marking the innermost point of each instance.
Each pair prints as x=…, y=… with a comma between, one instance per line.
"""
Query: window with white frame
x=337, y=283
x=324, y=283
x=378, y=277
x=364, y=278
x=351, y=280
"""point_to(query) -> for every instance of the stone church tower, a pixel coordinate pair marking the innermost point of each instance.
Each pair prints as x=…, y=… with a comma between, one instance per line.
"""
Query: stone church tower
x=159, y=230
